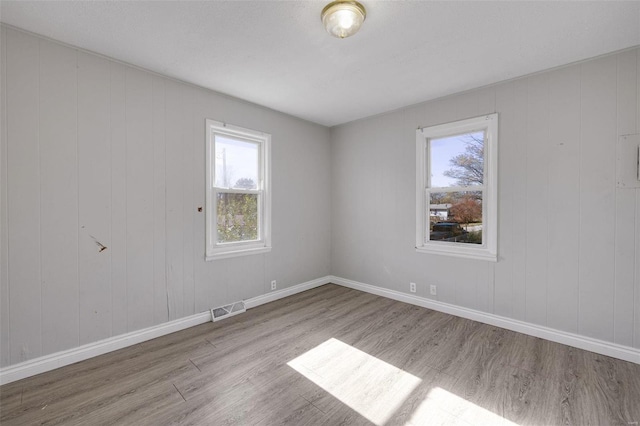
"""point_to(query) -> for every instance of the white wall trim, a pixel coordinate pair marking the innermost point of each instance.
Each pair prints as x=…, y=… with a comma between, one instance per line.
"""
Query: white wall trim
x=285, y=292
x=571, y=339
x=60, y=359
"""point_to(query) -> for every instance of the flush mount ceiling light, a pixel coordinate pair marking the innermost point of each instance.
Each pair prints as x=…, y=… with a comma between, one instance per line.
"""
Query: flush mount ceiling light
x=343, y=18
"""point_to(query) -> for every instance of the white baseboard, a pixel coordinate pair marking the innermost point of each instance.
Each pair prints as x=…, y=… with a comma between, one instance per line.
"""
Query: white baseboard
x=279, y=294
x=582, y=342
x=60, y=359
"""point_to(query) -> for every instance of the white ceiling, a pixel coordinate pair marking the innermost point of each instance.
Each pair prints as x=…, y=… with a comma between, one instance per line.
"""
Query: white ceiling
x=277, y=54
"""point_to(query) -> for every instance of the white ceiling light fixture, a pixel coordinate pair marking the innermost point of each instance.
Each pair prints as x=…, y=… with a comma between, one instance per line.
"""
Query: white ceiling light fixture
x=343, y=18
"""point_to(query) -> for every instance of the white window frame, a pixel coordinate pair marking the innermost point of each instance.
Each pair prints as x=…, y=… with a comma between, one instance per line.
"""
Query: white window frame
x=488, y=250
x=217, y=250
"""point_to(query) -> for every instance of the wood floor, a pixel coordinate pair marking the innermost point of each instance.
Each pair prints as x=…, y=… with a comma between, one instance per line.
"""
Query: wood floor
x=334, y=356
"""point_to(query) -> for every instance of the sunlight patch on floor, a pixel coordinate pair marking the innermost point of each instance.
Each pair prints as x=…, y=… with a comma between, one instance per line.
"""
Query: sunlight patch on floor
x=371, y=387
x=445, y=408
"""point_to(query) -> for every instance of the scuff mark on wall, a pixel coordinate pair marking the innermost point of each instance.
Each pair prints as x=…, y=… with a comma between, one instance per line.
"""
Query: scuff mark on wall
x=99, y=244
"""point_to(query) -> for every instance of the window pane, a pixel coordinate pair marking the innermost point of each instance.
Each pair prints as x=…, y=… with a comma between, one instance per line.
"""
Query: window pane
x=236, y=163
x=456, y=217
x=237, y=217
x=457, y=160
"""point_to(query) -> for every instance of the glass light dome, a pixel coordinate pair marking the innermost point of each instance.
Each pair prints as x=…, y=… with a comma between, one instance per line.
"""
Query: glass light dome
x=343, y=18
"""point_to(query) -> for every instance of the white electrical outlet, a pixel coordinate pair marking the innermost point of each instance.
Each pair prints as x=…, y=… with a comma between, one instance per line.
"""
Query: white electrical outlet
x=412, y=287
x=433, y=289
x=273, y=285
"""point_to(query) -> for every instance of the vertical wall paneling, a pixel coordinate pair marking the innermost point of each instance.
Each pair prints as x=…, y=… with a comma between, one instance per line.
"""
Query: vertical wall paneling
x=563, y=209
x=597, y=192
x=636, y=314
x=174, y=110
x=140, y=250
x=23, y=196
x=204, y=295
x=118, y=198
x=388, y=185
x=628, y=107
x=4, y=225
x=625, y=210
x=94, y=183
x=507, y=154
x=188, y=206
x=537, y=154
x=93, y=148
x=161, y=313
x=110, y=160
x=240, y=278
x=568, y=239
x=58, y=196
x=486, y=275
x=520, y=212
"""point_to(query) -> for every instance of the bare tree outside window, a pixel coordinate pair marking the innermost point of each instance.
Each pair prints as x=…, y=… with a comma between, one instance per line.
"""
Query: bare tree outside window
x=468, y=168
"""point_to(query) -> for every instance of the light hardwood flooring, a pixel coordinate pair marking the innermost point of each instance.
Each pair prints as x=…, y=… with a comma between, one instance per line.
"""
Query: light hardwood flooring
x=334, y=356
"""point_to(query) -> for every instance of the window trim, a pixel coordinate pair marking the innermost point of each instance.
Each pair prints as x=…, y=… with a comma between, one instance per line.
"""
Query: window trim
x=489, y=249
x=213, y=249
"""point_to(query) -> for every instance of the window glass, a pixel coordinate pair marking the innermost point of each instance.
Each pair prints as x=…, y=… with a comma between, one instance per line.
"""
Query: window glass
x=457, y=160
x=236, y=163
x=237, y=217
x=456, y=188
x=238, y=196
x=456, y=217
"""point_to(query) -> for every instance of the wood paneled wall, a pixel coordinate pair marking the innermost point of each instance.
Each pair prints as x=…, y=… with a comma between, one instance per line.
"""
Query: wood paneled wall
x=102, y=170
x=569, y=239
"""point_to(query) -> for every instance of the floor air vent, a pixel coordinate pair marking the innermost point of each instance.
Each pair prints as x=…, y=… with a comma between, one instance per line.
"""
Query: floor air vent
x=227, y=311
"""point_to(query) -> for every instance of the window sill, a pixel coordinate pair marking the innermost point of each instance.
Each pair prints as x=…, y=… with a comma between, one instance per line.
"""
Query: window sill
x=236, y=253
x=462, y=252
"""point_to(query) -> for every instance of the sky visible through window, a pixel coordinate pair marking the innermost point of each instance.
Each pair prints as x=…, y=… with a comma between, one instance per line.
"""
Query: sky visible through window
x=235, y=160
x=442, y=151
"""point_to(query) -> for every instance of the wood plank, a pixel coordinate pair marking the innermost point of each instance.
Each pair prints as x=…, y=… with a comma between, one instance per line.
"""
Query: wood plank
x=23, y=196
x=466, y=373
x=520, y=211
x=625, y=205
x=597, y=188
x=188, y=206
x=636, y=313
x=118, y=199
x=537, y=189
x=174, y=200
x=58, y=196
x=201, y=270
x=487, y=101
x=161, y=313
x=507, y=168
x=140, y=281
x=94, y=189
x=627, y=92
x=564, y=198
x=4, y=224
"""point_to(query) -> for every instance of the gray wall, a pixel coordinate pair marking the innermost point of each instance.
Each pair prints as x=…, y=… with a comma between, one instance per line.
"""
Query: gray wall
x=96, y=151
x=569, y=240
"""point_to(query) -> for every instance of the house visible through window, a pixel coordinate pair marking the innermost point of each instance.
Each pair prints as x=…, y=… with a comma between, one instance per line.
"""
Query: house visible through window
x=456, y=188
x=238, y=197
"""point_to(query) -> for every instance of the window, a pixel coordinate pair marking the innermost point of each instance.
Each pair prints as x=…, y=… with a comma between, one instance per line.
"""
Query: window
x=456, y=188
x=238, y=196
